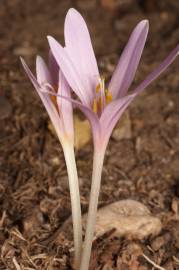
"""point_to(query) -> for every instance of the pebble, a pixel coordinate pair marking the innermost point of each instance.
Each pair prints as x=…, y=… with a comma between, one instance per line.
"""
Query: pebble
x=158, y=242
x=82, y=132
x=23, y=51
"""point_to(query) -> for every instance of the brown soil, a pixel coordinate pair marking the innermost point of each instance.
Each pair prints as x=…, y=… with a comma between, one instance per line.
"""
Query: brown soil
x=34, y=194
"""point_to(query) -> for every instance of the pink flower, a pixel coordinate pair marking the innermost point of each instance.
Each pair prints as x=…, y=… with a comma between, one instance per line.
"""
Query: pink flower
x=50, y=78
x=59, y=110
x=102, y=105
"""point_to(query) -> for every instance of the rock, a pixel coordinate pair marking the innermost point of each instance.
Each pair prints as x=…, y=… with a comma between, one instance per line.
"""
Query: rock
x=128, y=218
x=160, y=241
x=25, y=50
x=123, y=128
x=82, y=132
x=5, y=108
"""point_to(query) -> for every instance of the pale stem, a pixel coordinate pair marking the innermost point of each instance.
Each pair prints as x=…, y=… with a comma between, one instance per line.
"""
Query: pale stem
x=75, y=200
x=93, y=204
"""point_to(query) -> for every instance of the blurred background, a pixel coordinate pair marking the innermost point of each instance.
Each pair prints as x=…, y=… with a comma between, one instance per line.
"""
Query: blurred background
x=142, y=160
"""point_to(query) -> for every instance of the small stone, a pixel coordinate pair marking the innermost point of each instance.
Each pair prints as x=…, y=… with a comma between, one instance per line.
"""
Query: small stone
x=55, y=161
x=128, y=218
x=82, y=132
x=158, y=242
x=123, y=128
x=24, y=51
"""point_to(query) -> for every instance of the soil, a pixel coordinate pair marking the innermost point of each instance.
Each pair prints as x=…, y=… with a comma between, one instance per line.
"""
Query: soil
x=34, y=193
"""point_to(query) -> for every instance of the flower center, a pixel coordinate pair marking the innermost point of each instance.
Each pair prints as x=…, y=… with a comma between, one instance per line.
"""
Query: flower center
x=103, y=97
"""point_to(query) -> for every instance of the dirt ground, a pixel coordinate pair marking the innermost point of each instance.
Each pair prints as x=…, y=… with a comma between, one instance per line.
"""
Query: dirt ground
x=34, y=194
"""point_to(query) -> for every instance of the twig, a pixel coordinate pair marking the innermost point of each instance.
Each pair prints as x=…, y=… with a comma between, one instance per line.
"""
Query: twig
x=2, y=219
x=16, y=263
x=153, y=263
x=176, y=260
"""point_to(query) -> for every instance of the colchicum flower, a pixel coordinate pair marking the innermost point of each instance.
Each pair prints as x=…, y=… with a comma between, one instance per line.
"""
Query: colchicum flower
x=61, y=115
x=102, y=105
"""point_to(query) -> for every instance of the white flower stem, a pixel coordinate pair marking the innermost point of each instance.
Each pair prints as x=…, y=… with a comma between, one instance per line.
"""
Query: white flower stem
x=93, y=204
x=75, y=200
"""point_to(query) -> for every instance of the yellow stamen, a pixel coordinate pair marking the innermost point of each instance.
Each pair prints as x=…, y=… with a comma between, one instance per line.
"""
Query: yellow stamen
x=54, y=99
x=108, y=96
x=98, y=101
x=100, y=104
x=95, y=106
x=98, y=87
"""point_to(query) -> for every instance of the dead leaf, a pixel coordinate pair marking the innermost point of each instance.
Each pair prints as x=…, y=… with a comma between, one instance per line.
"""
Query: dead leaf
x=175, y=207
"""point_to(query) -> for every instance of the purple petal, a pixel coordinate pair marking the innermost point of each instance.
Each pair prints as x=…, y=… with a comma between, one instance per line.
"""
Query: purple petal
x=112, y=113
x=129, y=60
x=79, y=47
x=154, y=74
x=66, y=66
x=65, y=107
x=43, y=74
x=54, y=69
x=90, y=115
x=54, y=116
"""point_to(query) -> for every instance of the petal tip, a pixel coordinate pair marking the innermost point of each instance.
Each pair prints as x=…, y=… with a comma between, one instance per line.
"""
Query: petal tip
x=21, y=59
x=23, y=62
x=39, y=60
x=145, y=24
x=72, y=11
x=50, y=38
x=52, y=42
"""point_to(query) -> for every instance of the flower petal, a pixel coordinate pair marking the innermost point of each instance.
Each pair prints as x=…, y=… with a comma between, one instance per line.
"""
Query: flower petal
x=154, y=74
x=129, y=60
x=112, y=114
x=43, y=74
x=66, y=66
x=54, y=69
x=79, y=47
x=90, y=115
x=46, y=101
x=65, y=107
x=93, y=120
